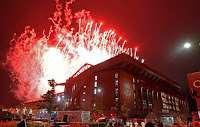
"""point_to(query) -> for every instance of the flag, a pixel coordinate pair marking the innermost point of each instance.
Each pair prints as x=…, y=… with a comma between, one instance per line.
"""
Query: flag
x=194, y=83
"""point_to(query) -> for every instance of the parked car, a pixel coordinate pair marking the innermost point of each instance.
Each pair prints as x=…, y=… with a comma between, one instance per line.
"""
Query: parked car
x=105, y=119
x=58, y=124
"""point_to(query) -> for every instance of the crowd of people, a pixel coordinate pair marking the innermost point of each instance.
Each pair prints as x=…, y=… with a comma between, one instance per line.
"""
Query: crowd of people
x=132, y=123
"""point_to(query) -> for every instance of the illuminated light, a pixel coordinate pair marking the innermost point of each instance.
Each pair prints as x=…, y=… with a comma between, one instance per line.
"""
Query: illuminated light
x=32, y=60
x=187, y=45
x=99, y=90
x=142, y=60
x=58, y=99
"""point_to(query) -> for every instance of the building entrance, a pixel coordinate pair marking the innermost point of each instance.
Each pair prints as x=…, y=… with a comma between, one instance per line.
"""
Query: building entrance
x=167, y=120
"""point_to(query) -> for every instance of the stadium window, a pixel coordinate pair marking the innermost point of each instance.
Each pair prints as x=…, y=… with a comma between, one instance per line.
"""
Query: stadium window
x=116, y=75
x=116, y=82
x=73, y=87
x=116, y=104
x=150, y=99
x=134, y=95
x=144, y=98
x=116, y=99
x=133, y=80
x=95, y=91
x=95, y=84
x=116, y=92
x=139, y=97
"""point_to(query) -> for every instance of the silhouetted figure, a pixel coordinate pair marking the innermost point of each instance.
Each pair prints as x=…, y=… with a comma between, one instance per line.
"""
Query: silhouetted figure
x=149, y=124
x=175, y=125
x=22, y=124
x=159, y=125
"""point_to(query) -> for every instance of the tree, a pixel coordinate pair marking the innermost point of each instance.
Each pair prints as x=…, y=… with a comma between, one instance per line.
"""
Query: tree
x=93, y=109
x=125, y=110
x=49, y=99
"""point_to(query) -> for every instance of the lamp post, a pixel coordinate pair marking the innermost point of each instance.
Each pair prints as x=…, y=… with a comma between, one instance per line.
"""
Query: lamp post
x=188, y=45
x=101, y=91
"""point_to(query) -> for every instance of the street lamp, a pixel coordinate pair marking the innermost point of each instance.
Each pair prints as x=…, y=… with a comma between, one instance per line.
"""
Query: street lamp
x=101, y=91
x=58, y=99
x=187, y=45
x=191, y=44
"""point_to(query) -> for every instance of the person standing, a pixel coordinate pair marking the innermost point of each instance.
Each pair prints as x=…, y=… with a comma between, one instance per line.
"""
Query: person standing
x=107, y=123
x=142, y=124
x=127, y=123
x=121, y=123
x=131, y=123
x=110, y=123
x=116, y=124
x=136, y=123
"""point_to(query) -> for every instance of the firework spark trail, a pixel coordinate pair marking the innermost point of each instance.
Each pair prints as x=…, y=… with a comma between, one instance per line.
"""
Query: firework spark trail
x=33, y=60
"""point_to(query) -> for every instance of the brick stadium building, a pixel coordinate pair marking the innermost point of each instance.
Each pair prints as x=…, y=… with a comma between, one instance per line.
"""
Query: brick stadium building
x=122, y=79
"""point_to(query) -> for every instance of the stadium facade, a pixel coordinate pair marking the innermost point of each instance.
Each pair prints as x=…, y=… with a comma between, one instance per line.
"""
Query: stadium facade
x=123, y=80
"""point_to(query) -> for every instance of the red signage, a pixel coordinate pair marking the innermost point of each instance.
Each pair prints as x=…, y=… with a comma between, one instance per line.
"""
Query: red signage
x=194, y=82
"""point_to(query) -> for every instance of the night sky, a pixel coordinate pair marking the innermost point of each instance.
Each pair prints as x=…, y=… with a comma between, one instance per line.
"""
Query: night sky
x=158, y=28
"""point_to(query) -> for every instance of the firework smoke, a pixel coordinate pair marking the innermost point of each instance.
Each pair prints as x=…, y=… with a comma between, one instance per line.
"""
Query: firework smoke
x=33, y=60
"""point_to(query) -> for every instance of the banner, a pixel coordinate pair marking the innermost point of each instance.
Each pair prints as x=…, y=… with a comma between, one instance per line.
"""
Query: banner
x=194, y=83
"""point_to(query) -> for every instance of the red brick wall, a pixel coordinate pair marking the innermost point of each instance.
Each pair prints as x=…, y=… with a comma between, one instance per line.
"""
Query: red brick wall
x=106, y=82
x=126, y=78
